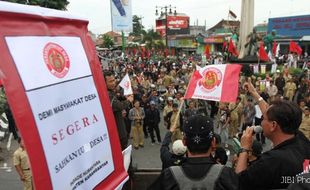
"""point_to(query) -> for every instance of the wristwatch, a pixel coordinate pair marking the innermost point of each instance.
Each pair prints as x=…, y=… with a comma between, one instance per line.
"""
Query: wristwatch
x=243, y=150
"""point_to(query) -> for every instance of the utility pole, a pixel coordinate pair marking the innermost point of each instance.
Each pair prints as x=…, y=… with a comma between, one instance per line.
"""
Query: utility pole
x=165, y=12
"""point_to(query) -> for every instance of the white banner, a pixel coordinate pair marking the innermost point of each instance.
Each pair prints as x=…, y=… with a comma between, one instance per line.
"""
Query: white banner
x=121, y=13
x=71, y=124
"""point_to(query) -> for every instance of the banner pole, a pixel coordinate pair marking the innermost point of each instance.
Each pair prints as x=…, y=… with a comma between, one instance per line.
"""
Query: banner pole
x=181, y=105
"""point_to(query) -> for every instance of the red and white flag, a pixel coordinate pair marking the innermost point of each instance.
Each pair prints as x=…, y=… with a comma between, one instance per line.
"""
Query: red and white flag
x=215, y=82
x=126, y=85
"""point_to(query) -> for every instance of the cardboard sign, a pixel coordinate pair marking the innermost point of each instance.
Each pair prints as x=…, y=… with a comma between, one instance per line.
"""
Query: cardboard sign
x=55, y=88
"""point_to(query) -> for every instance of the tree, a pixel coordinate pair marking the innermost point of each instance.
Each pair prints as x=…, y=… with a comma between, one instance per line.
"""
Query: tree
x=137, y=29
x=152, y=39
x=107, y=41
x=53, y=4
x=137, y=26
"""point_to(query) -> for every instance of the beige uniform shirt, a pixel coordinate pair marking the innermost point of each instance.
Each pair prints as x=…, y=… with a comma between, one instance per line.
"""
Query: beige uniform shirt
x=305, y=126
x=20, y=157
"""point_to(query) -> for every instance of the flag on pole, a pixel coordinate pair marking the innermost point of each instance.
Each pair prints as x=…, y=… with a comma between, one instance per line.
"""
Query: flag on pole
x=274, y=48
x=126, y=85
x=224, y=46
x=295, y=48
x=262, y=53
x=207, y=51
x=232, y=49
x=232, y=14
x=215, y=82
x=277, y=50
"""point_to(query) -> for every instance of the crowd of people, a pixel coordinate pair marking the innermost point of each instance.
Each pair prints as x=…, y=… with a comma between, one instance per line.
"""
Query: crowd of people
x=199, y=131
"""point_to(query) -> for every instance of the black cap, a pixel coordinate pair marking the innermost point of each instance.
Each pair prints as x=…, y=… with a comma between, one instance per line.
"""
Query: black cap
x=198, y=130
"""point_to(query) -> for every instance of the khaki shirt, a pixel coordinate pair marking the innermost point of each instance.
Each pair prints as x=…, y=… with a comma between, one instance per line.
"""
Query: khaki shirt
x=305, y=126
x=167, y=109
x=20, y=157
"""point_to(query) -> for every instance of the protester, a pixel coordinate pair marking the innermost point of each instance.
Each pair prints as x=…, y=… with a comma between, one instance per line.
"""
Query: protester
x=223, y=120
x=280, y=124
x=199, y=171
x=175, y=118
x=174, y=158
x=136, y=115
x=152, y=119
x=305, y=123
x=22, y=166
x=117, y=107
x=234, y=110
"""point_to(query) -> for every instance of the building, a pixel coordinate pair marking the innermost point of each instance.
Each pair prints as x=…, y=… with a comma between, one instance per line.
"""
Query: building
x=216, y=35
x=293, y=28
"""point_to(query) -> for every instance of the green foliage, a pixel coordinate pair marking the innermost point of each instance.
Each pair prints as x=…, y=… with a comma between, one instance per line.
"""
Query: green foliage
x=3, y=101
x=137, y=26
x=295, y=71
x=53, y=4
x=107, y=41
x=152, y=39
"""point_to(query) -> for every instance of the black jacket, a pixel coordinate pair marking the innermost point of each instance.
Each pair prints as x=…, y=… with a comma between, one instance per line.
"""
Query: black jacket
x=168, y=120
x=284, y=160
x=117, y=107
x=152, y=117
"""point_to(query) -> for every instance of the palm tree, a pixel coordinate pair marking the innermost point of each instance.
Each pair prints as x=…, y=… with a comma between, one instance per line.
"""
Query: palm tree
x=152, y=39
x=107, y=41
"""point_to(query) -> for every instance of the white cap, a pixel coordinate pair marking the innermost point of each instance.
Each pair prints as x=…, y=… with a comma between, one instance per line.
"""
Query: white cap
x=178, y=147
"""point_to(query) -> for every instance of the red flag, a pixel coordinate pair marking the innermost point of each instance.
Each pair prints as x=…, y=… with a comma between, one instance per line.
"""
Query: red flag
x=274, y=48
x=166, y=52
x=173, y=52
x=148, y=54
x=215, y=82
x=224, y=45
x=134, y=51
x=232, y=49
x=295, y=48
x=207, y=51
x=262, y=53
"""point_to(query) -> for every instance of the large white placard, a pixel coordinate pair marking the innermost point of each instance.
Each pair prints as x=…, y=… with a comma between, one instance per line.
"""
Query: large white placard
x=66, y=107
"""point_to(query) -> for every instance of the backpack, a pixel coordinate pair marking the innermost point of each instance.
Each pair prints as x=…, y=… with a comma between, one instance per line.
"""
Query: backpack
x=207, y=182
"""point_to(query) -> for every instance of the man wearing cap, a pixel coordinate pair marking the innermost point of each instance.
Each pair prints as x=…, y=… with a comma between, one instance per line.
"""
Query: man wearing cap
x=174, y=158
x=199, y=171
x=152, y=119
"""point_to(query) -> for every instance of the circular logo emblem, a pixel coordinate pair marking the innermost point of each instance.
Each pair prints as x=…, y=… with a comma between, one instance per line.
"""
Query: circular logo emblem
x=211, y=78
x=56, y=59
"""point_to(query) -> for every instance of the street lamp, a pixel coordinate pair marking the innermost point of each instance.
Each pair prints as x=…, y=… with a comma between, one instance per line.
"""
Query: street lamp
x=164, y=12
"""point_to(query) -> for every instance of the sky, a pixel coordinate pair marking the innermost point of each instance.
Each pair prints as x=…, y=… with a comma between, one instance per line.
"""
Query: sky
x=210, y=11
